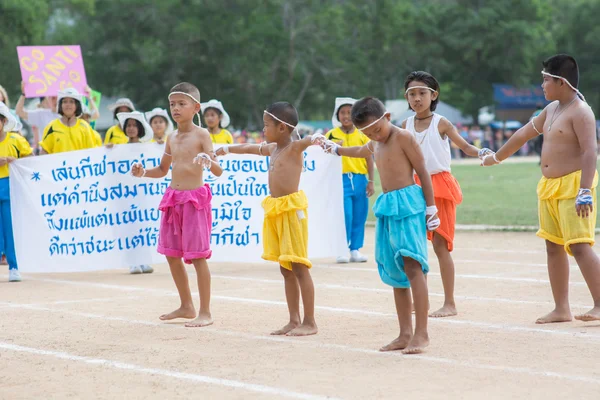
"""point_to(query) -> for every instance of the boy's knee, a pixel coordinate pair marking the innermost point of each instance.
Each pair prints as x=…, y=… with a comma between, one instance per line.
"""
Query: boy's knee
x=554, y=249
x=580, y=249
x=285, y=272
x=440, y=245
x=412, y=268
x=300, y=270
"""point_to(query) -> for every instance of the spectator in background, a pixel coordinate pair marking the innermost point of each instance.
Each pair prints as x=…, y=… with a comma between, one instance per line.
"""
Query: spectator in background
x=476, y=136
x=498, y=139
x=488, y=137
x=40, y=118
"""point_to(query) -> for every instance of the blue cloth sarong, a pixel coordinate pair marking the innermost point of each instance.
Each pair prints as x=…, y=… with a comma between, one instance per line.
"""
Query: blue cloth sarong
x=401, y=232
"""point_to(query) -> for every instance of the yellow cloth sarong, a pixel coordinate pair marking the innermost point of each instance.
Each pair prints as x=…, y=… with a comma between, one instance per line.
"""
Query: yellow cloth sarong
x=559, y=222
x=285, y=230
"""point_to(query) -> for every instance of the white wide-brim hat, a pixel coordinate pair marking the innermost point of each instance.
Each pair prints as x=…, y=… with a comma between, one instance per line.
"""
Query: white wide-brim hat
x=219, y=106
x=339, y=102
x=138, y=116
x=122, y=102
x=69, y=93
x=160, y=112
x=11, y=124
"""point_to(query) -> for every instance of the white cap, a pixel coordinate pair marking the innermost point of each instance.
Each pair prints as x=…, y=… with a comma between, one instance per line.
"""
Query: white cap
x=70, y=93
x=122, y=102
x=138, y=116
x=11, y=124
x=219, y=106
x=160, y=112
x=339, y=102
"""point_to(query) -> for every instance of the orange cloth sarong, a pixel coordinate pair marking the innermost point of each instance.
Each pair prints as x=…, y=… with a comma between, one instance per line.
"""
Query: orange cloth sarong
x=448, y=195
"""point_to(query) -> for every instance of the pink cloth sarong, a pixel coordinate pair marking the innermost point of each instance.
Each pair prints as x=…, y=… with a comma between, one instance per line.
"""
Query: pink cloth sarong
x=186, y=224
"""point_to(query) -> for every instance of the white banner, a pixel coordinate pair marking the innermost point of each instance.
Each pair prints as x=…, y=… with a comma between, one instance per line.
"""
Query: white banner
x=83, y=211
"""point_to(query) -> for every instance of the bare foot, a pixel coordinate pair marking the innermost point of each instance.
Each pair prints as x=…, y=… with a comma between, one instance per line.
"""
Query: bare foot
x=181, y=312
x=399, y=343
x=202, y=320
x=304, y=330
x=289, y=327
x=592, y=315
x=555, y=316
x=417, y=344
x=445, y=311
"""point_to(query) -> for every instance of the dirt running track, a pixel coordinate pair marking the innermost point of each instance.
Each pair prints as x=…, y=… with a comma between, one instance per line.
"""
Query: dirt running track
x=97, y=335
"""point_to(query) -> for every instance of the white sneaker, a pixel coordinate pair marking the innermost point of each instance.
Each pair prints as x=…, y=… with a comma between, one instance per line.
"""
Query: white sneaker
x=356, y=257
x=146, y=269
x=342, y=260
x=14, y=275
x=135, y=269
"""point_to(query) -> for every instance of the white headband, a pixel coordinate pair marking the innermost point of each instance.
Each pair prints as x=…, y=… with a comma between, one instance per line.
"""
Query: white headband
x=567, y=82
x=419, y=87
x=282, y=121
x=191, y=97
x=374, y=122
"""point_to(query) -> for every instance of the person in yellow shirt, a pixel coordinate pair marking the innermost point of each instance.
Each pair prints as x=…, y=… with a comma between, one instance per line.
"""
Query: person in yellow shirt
x=115, y=134
x=69, y=132
x=12, y=146
x=217, y=120
x=357, y=178
x=161, y=124
x=137, y=131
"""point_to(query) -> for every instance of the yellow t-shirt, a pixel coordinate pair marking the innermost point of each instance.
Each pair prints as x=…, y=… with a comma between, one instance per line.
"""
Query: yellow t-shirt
x=223, y=137
x=164, y=138
x=59, y=138
x=97, y=139
x=356, y=138
x=115, y=135
x=13, y=145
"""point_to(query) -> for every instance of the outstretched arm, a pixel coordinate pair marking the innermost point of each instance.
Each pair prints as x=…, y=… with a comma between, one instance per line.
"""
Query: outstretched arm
x=446, y=128
x=516, y=141
x=263, y=149
x=354, y=151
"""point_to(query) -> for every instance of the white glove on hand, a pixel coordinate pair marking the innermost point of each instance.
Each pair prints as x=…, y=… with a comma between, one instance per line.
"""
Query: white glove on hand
x=330, y=147
x=433, y=221
x=203, y=160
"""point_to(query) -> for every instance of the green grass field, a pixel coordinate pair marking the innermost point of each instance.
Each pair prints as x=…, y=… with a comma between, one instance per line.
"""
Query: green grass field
x=501, y=195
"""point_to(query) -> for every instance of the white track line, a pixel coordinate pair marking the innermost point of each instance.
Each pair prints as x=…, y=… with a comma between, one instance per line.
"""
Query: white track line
x=389, y=290
x=251, y=387
x=287, y=341
x=483, y=325
x=462, y=276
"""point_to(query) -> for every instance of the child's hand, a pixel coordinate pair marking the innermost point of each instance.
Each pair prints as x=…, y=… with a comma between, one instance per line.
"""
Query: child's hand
x=87, y=91
x=370, y=189
x=484, y=152
x=223, y=151
x=203, y=160
x=489, y=160
x=10, y=159
x=138, y=170
x=317, y=139
x=584, y=203
x=109, y=145
x=23, y=88
x=330, y=147
x=431, y=218
x=160, y=141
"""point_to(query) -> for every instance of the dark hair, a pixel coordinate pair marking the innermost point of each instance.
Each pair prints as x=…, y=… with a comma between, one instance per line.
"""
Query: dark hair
x=365, y=109
x=563, y=65
x=285, y=112
x=78, y=109
x=140, y=127
x=188, y=88
x=428, y=80
x=337, y=114
x=219, y=113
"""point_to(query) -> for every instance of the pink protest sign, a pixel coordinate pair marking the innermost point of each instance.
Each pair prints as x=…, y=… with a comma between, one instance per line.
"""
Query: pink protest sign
x=48, y=69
